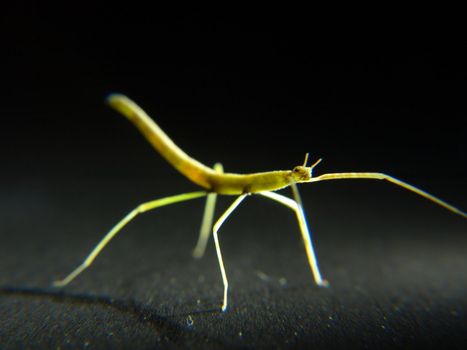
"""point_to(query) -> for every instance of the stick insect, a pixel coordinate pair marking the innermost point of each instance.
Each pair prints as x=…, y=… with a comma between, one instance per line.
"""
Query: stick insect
x=215, y=182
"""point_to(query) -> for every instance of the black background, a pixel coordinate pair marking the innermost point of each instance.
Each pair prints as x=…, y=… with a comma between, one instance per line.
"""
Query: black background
x=256, y=90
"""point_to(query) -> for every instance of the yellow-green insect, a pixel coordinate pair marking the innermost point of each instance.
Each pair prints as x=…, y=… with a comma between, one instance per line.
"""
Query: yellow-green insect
x=215, y=181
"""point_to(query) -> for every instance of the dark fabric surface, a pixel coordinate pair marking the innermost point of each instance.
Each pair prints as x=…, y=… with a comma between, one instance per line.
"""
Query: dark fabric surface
x=395, y=263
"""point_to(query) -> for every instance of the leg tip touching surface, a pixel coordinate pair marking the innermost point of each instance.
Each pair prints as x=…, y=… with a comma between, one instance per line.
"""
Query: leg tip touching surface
x=59, y=283
x=324, y=284
x=197, y=253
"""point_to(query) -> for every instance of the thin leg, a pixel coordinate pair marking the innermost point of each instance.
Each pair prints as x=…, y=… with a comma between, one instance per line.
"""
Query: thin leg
x=216, y=228
x=296, y=206
x=381, y=176
x=208, y=215
x=122, y=223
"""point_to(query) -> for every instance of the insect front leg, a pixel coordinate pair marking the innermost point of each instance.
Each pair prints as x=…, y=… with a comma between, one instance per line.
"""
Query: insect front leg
x=216, y=228
x=400, y=183
x=297, y=207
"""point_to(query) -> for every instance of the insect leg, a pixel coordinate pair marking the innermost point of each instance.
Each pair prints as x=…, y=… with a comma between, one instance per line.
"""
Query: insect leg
x=208, y=215
x=381, y=176
x=216, y=228
x=296, y=206
x=122, y=223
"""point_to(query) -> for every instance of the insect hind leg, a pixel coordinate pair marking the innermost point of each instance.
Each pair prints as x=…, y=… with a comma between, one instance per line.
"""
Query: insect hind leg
x=120, y=225
x=208, y=216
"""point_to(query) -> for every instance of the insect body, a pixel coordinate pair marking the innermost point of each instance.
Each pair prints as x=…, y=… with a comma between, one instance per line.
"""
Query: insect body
x=214, y=181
